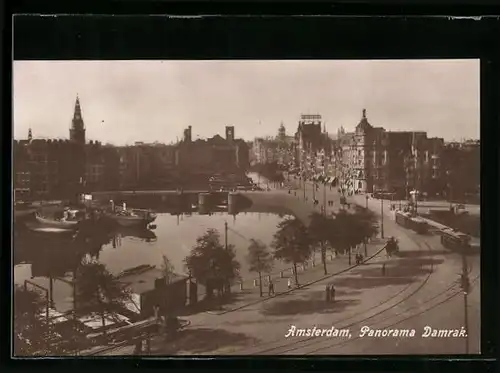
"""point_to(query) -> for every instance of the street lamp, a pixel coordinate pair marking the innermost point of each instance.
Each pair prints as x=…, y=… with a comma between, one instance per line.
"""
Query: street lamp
x=465, y=285
x=382, y=217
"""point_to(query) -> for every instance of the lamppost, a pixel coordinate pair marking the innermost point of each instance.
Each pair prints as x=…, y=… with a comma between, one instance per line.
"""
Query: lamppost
x=382, y=217
x=324, y=198
x=465, y=285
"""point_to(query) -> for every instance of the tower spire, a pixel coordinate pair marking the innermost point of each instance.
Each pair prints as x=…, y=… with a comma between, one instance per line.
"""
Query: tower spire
x=77, y=130
x=364, y=113
x=78, y=110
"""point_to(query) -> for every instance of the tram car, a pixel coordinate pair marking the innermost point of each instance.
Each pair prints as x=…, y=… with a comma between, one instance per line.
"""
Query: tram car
x=455, y=240
x=419, y=225
x=406, y=220
x=403, y=219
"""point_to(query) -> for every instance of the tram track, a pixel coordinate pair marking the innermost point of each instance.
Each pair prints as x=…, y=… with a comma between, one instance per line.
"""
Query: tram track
x=304, y=342
x=421, y=312
x=364, y=311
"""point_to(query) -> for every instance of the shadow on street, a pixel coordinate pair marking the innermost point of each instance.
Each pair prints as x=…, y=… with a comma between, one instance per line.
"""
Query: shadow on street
x=213, y=304
x=201, y=340
x=420, y=253
x=314, y=303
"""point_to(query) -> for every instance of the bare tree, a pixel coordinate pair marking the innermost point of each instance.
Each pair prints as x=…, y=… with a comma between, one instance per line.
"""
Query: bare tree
x=167, y=269
x=259, y=259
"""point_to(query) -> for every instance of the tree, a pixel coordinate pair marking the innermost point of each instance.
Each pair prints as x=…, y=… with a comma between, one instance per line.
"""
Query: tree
x=353, y=229
x=320, y=231
x=97, y=287
x=346, y=234
x=259, y=259
x=292, y=243
x=33, y=333
x=167, y=269
x=28, y=326
x=211, y=264
x=368, y=222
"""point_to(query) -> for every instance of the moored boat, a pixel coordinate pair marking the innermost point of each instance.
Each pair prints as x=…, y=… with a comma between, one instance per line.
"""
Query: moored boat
x=60, y=224
x=135, y=217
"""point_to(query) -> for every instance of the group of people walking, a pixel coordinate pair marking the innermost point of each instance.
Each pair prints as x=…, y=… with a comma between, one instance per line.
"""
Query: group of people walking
x=330, y=293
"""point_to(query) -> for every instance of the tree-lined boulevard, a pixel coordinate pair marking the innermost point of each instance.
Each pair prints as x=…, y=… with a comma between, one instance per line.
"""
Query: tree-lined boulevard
x=414, y=291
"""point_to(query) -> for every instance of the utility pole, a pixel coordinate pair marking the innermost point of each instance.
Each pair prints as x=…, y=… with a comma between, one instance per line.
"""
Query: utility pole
x=225, y=235
x=324, y=199
x=382, y=217
x=465, y=284
x=228, y=286
x=304, y=182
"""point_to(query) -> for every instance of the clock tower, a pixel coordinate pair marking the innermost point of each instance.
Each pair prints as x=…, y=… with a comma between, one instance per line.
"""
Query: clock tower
x=77, y=130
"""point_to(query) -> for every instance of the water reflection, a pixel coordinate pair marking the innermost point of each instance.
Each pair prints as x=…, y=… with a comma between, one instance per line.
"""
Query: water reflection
x=58, y=253
x=43, y=257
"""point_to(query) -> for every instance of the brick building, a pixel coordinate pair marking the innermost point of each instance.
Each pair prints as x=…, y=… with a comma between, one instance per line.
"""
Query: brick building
x=197, y=160
x=312, y=146
x=371, y=159
x=57, y=168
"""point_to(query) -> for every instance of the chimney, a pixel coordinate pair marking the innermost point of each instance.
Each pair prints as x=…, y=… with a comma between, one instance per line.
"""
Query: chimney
x=187, y=134
x=230, y=133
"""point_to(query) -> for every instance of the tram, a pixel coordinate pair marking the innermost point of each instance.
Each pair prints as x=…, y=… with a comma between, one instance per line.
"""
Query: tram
x=403, y=219
x=455, y=240
x=406, y=220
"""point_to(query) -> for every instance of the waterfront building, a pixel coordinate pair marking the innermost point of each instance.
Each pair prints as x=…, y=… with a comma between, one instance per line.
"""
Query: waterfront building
x=197, y=160
x=61, y=168
x=461, y=164
x=371, y=159
x=147, y=166
x=312, y=145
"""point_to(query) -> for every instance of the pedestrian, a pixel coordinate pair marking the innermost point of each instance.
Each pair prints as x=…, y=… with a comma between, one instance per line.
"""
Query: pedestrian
x=271, y=288
x=289, y=284
x=383, y=269
x=328, y=293
x=332, y=293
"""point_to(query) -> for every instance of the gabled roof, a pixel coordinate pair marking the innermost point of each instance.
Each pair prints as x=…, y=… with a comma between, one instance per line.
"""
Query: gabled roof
x=363, y=125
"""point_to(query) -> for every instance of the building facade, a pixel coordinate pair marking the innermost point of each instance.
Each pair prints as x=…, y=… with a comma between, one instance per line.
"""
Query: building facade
x=197, y=160
x=372, y=159
x=62, y=168
x=312, y=147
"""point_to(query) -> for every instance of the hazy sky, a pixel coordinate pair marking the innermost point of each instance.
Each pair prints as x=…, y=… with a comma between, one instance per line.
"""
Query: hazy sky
x=155, y=100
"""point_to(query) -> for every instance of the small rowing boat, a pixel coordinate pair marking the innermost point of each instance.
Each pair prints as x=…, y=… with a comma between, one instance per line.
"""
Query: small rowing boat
x=60, y=224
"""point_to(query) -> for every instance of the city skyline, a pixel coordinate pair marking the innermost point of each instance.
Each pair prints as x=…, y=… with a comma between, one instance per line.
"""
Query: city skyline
x=124, y=102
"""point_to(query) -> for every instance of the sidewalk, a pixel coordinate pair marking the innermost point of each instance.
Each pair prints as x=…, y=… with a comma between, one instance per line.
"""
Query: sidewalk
x=250, y=294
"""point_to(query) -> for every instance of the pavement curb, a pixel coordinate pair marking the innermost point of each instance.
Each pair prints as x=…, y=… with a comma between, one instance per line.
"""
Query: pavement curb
x=299, y=287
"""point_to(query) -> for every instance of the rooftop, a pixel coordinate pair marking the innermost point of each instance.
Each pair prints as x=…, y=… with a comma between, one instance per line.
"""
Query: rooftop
x=143, y=279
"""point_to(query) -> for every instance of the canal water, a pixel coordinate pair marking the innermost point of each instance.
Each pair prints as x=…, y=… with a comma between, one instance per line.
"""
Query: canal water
x=39, y=256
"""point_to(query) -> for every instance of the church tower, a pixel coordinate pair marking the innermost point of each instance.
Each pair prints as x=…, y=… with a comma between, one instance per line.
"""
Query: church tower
x=77, y=130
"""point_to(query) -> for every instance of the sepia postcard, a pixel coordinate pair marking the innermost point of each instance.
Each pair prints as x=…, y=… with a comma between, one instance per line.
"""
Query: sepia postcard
x=257, y=207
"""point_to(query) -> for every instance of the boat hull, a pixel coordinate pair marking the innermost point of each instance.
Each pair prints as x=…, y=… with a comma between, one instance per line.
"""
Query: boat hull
x=127, y=221
x=49, y=223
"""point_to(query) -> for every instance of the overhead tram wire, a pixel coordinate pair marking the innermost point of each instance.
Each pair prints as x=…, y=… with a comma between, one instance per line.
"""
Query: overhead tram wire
x=238, y=234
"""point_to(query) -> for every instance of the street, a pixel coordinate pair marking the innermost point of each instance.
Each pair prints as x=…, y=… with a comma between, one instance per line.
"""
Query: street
x=419, y=289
